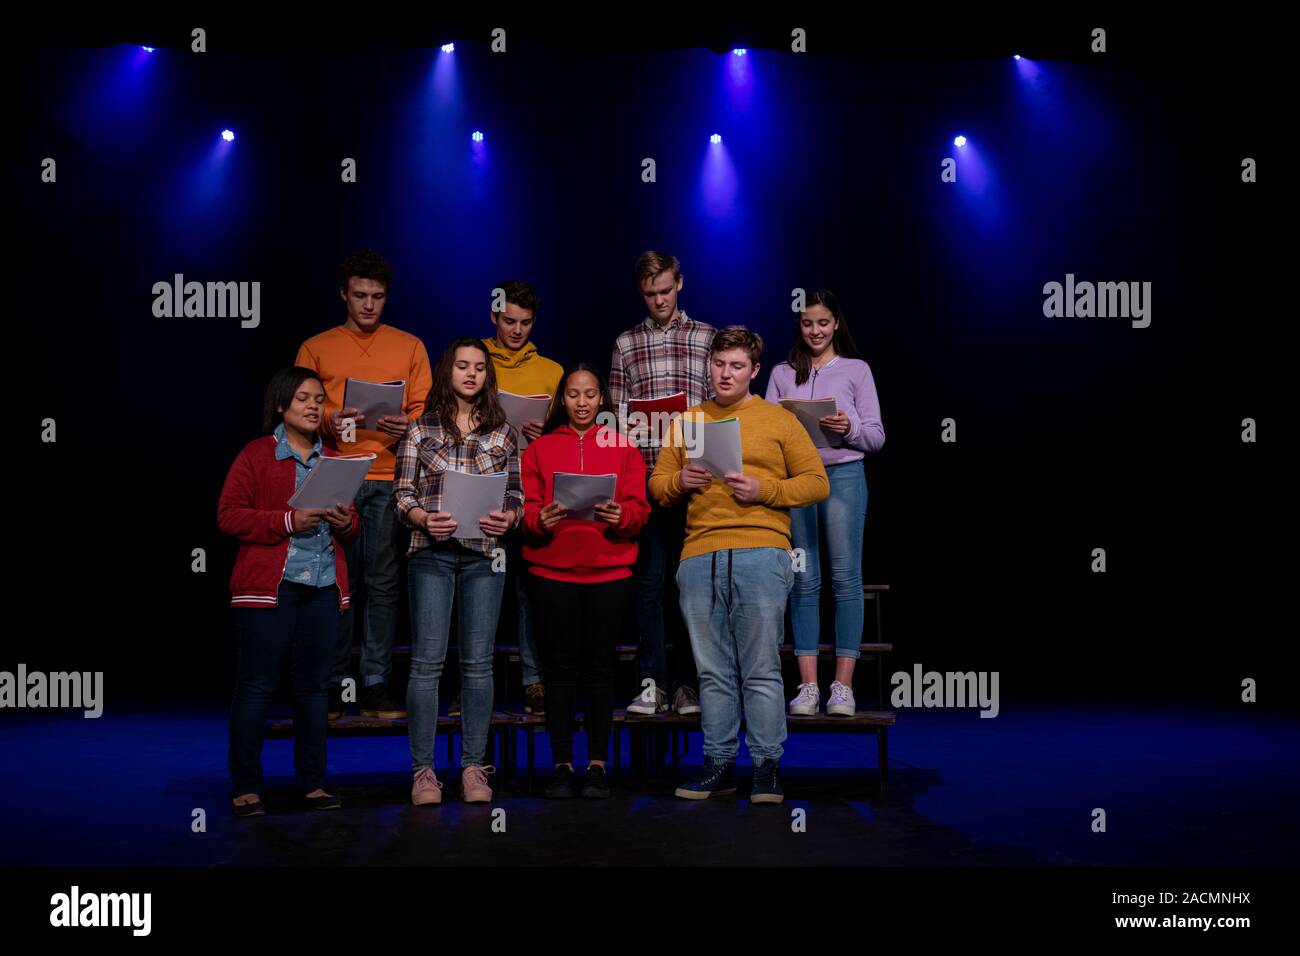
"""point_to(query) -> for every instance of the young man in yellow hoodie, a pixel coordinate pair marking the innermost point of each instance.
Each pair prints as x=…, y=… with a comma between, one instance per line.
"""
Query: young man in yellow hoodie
x=366, y=348
x=735, y=574
x=521, y=369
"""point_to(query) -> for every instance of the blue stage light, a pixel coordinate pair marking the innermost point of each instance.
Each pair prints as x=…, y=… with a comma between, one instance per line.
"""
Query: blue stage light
x=959, y=141
x=476, y=136
x=147, y=49
x=449, y=48
x=715, y=139
x=739, y=51
x=1017, y=56
x=228, y=135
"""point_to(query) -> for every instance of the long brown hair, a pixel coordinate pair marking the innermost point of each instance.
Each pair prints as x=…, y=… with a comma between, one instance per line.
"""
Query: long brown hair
x=800, y=357
x=487, y=415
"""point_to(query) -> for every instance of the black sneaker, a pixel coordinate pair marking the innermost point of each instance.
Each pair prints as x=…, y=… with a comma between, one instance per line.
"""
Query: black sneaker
x=375, y=702
x=718, y=777
x=767, y=783
x=596, y=786
x=561, y=785
x=336, y=707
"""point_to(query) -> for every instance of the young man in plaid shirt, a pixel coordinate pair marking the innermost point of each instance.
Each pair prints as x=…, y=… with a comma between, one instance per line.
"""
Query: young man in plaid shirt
x=665, y=353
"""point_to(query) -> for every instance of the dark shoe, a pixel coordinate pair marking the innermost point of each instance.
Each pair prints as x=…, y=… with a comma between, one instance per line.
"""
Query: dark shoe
x=375, y=702
x=254, y=809
x=324, y=802
x=535, y=699
x=686, y=702
x=454, y=709
x=336, y=708
x=767, y=783
x=596, y=786
x=717, y=778
x=561, y=785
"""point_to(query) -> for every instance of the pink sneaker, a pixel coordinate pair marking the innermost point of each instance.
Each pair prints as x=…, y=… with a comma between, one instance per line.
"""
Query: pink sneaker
x=473, y=784
x=427, y=788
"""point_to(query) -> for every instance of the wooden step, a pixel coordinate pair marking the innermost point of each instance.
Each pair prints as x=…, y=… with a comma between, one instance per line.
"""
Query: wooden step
x=351, y=726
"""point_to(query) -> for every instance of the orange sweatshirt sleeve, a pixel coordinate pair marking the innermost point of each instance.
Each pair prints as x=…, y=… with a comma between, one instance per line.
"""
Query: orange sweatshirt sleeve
x=418, y=382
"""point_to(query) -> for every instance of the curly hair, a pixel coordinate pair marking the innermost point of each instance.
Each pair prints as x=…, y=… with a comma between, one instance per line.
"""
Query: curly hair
x=366, y=264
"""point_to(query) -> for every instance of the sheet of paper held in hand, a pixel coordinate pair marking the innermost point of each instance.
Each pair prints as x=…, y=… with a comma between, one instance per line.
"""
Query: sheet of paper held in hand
x=810, y=412
x=332, y=481
x=523, y=408
x=470, y=498
x=579, y=494
x=374, y=400
x=715, y=445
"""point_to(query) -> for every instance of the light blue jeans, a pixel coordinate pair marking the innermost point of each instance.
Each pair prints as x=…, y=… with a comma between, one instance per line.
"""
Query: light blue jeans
x=733, y=603
x=439, y=577
x=841, y=518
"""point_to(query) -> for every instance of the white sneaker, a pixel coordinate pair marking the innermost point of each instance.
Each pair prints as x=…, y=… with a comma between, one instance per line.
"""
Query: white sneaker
x=841, y=703
x=806, y=702
x=649, y=702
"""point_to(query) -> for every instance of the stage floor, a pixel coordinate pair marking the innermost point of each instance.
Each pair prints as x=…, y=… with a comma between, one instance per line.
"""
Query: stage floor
x=1178, y=788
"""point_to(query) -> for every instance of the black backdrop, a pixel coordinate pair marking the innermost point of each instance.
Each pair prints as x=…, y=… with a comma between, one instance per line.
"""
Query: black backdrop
x=1072, y=434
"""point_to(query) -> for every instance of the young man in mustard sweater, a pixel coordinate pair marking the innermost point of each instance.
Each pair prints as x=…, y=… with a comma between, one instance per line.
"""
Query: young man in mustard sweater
x=735, y=574
x=523, y=370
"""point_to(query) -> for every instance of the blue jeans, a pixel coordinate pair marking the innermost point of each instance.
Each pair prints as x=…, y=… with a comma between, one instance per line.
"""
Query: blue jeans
x=734, y=605
x=299, y=630
x=659, y=550
x=530, y=659
x=841, y=518
x=439, y=577
x=372, y=578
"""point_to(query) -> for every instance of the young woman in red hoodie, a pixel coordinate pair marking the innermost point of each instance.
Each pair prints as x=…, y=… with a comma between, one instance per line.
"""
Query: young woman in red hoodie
x=288, y=589
x=579, y=569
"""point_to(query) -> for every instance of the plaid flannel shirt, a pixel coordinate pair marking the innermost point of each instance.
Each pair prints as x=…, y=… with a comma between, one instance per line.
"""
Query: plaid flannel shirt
x=425, y=452
x=651, y=362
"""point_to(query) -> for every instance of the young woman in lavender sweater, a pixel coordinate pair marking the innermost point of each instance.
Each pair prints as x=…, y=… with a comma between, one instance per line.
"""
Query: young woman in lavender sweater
x=824, y=362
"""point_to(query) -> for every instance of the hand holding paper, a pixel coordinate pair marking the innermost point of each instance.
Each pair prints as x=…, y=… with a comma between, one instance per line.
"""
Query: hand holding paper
x=715, y=445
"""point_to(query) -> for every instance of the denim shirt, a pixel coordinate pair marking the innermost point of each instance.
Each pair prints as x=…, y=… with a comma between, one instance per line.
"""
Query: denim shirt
x=311, y=553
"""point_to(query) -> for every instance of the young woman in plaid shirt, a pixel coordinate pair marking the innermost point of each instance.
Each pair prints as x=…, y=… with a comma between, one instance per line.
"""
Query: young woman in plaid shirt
x=464, y=429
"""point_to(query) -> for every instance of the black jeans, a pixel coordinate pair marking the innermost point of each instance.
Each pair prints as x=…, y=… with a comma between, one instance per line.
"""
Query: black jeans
x=578, y=628
x=303, y=629
x=659, y=614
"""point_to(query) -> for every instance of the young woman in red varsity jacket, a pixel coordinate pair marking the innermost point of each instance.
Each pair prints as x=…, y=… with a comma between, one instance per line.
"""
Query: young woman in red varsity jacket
x=580, y=569
x=288, y=589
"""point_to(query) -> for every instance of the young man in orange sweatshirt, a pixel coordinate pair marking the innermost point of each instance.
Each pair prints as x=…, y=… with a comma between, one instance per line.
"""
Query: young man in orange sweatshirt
x=521, y=369
x=735, y=574
x=367, y=349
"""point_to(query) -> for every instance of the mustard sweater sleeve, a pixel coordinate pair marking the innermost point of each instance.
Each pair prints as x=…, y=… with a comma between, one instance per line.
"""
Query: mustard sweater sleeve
x=807, y=483
x=665, y=480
